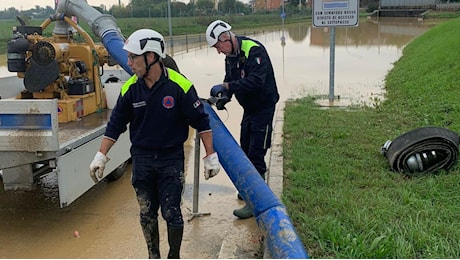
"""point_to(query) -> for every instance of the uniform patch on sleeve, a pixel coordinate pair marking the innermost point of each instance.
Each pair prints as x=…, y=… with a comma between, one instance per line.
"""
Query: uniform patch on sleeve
x=168, y=102
x=196, y=104
x=258, y=60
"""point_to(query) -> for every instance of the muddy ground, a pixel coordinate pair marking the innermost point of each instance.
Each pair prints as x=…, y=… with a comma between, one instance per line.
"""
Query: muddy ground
x=106, y=217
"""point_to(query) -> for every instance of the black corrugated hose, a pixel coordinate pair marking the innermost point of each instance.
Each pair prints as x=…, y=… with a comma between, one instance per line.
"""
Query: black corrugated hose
x=423, y=150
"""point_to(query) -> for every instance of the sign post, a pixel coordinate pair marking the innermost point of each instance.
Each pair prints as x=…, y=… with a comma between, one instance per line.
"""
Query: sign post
x=331, y=14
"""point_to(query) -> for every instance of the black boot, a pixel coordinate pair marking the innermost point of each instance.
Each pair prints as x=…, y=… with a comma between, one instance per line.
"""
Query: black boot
x=175, y=241
x=244, y=212
x=152, y=237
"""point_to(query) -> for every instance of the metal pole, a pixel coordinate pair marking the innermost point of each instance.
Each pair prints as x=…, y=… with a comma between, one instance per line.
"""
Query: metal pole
x=196, y=174
x=169, y=24
x=331, y=64
x=196, y=181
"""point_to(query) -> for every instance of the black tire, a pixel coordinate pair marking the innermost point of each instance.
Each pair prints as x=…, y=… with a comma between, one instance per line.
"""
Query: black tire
x=118, y=172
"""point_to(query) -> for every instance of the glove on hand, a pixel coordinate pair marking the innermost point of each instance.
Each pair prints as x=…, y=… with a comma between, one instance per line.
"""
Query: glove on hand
x=221, y=102
x=218, y=91
x=98, y=165
x=211, y=166
x=221, y=94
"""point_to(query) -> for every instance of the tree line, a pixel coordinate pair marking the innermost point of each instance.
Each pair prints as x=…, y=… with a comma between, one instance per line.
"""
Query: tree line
x=159, y=8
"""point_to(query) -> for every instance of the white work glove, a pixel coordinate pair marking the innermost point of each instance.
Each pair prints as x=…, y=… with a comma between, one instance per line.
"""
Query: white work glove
x=98, y=165
x=211, y=166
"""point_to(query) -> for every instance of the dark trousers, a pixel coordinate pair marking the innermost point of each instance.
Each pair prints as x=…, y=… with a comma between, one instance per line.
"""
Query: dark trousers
x=255, y=136
x=158, y=181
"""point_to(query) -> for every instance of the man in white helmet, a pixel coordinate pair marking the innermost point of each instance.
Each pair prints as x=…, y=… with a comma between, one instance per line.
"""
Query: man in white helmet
x=159, y=104
x=249, y=76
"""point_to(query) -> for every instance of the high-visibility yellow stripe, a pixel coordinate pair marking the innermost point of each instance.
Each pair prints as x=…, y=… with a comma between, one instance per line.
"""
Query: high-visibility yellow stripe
x=176, y=77
x=246, y=46
x=127, y=84
x=182, y=81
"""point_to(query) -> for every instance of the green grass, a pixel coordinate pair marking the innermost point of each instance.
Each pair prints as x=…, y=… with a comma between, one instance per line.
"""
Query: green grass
x=340, y=192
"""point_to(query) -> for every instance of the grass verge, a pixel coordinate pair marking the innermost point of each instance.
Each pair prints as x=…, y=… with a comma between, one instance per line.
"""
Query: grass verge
x=340, y=192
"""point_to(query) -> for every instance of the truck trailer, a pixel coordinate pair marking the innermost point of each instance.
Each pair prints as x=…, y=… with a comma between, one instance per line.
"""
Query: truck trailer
x=56, y=122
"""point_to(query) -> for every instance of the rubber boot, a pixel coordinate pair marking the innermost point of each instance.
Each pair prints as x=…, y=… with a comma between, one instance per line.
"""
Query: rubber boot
x=152, y=237
x=175, y=241
x=244, y=212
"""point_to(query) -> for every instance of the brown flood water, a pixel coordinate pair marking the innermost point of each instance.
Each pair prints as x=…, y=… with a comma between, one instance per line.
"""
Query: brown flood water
x=33, y=226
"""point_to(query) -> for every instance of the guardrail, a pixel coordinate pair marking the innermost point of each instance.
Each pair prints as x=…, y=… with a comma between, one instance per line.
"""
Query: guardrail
x=185, y=43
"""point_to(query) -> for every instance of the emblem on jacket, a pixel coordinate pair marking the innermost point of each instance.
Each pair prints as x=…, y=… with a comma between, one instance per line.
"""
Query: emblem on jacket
x=139, y=104
x=168, y=102
x=196, y=104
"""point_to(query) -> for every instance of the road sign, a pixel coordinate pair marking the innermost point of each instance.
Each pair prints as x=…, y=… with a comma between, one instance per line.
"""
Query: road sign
x=334, y=13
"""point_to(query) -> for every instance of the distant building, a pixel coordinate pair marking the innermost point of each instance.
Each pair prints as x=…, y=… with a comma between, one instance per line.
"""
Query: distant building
x=398, y=4
x=404, y=8
x=267, y=5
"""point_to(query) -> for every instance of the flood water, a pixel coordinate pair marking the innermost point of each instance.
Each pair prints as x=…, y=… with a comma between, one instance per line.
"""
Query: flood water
x=363, y=56
x=33, y=226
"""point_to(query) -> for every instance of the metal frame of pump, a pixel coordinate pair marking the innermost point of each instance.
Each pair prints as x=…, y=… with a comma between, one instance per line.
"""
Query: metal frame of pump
x=59, y=67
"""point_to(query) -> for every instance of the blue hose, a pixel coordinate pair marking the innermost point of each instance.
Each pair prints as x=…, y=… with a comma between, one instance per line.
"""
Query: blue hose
x=271, y=216
x=113, y=42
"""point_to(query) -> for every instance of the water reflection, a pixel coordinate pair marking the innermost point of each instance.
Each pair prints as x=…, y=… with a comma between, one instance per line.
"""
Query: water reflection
x=363, y=56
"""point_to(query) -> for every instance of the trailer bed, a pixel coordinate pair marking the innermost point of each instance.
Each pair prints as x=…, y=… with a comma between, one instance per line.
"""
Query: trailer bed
x=75, y=133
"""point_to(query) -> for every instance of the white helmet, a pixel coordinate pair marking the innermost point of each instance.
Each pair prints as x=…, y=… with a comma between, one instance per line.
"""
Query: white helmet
x=214, y=30
x=145, y=40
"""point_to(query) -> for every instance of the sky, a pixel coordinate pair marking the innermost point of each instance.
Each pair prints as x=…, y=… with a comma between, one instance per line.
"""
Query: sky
x=28, y=4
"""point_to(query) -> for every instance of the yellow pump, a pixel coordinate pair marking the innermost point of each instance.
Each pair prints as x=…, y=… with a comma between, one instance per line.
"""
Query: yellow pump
x=59, y=67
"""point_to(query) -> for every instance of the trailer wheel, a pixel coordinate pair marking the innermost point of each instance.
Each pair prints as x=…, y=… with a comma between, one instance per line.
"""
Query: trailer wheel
x=118, y=172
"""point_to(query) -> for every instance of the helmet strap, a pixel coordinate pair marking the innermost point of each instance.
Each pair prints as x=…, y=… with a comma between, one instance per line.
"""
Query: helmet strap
x=233, y=47
x=235, y=52
x=148, y=66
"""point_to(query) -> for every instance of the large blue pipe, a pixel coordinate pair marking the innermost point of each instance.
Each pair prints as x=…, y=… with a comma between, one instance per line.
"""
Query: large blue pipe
x=271, y=216
x=113, y=42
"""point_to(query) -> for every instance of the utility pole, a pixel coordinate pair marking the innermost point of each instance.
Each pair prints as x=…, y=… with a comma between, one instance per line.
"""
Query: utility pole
x=169, y=23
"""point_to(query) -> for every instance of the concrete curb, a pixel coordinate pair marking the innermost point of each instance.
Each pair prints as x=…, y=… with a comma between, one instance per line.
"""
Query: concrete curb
x=275, y=156
x=275, y=159
x=274, y=175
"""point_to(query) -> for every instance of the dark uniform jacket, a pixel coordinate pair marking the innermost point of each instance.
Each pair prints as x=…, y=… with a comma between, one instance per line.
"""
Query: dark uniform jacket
x=250, y=76
x=158, y=117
